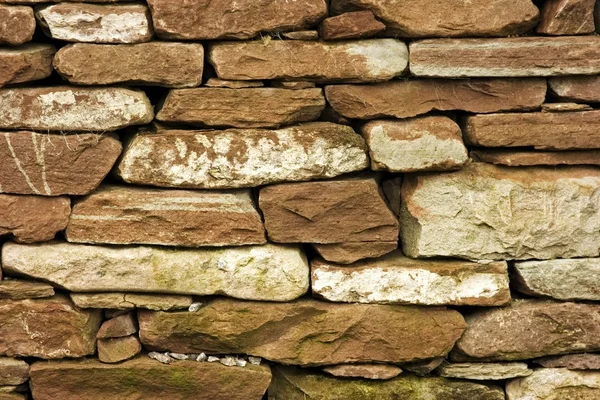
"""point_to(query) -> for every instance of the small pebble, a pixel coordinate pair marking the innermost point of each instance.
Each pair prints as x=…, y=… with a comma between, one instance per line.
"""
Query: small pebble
x=195, y=307
x=212, y=359
x=254, y=360
x=228, y=360
x=161, y=357
x=178, y=356
x=201, y=357
x=240, y=362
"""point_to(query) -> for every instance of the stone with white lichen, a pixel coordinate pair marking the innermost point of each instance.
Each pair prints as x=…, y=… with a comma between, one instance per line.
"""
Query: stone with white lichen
x=555, y=384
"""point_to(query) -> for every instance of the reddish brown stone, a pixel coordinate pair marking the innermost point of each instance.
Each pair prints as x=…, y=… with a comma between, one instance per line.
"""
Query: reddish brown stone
x=17, y=24
x=352, y=25
x=567, y=17
x=26, y=63
x=14, y=289
x=123, y=325
x=347, y=253
x=571, y=361
x=118, y=349
x=527, y=158
x=576, y=88
x=301, y=35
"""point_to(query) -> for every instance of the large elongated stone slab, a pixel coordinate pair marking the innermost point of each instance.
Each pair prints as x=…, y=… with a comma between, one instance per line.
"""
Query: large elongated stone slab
x=394, y=278
x=269, y=272
x=26, y=63
x=517, y=158
x=17, y=26
x=147, y=379
x=64, y=108
x=55, y=164
x=484, y=371
x=308, y=332
x=356, y=61
x=489, y=212
x=130, y=215
x=237, y=158
x=511, y=57
x=576, y=88
x=555, y=383
x=124, y=301
x=47, y=328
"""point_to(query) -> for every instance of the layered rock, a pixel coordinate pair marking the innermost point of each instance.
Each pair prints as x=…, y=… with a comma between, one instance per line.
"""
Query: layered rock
x=120, y=326
x=484, y=371
x=17, y=26
x=516, y=158
x=119, y=349
x=347, y=253
x=14, y=289
x=555, y=383
x=567, y=17
x=571, y=361
x=26, y=63
x=237, y=158
x=576, y=88
x=124, y=301
x=351, y=25
x=13, y=371
x=489, y=212
x=366, y=371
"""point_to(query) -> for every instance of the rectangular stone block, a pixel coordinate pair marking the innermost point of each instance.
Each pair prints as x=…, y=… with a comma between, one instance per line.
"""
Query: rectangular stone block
x=18, y=24
x=17, y=289
x=13, y=371
x=125, y=301
x=516, y=158
x=31, y=219
x=29, y=62
x=576, y=88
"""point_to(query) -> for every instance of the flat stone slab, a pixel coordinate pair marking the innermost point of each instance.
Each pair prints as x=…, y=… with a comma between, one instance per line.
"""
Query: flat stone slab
x=484, y=371
x=124, y=301
x=555, y=383
x=366, y=371
x=571, y=361
x=349, y=252
x=516, y=158
x=565, y=107
x=16, y=289
x=575, y=88
x=18, y=24
x=567, y=17
x=13, y=372
x=26, y=63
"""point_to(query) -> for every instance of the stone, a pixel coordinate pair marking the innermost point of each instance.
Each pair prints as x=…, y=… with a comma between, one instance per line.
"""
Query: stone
x=222, y=83
x=333, y=211
x=134, y=215
x=291, y=383
x=31, y=219
x=14, y=289
x=351, y=25
x=242, y=108
x=431, y=143
x=565, y=107
x=237, y=158
x=567, y=17
x=301, y=35
x=232, y=19
x=118, y=349
x=486, y=212
x=96, y=23
x=448, y=18
x=570, y=361
x=47, y=328
x=366, y=60
x=268, y=272
x=156, y=63
x=366, y=371
x=409, y=98
x=52, y=165
x=542, y=130
x=65, y=108
x=295, y=85
x=12, y=396
x=567, y=279
x=575, y=88
x=516, y=158
x=125, y=301
x=146, y=379
x=422, y=368
x=505, y=57
x=555, y=383
x=392, y=189
x=347, y=253
x=123, y=325
x=13, y=371
x=17, y=26
x=13, y=389
x=29, y=62
x=309, y=332
x=330, y=115
x=395, y=279
x=529, y=329
x=484, y=371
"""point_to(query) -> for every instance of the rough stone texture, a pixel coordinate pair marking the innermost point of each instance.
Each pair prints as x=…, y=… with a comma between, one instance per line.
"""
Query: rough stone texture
x=529, y=329
x=242, y=108
x=394, y=278
x=31, y=219
x=237, y=158
x=334, y=211
x=448, y=18
x=223, y=83
x=128, y=215
x=570, y=361
x=65, y=108
x=54, y=164
x=124, y=301
x=29, y=62
x=358, y=61
x=291, y=383
x=309, y=332
x=366, y=371
x=351, y=25
x=232, y=19
x=565, y=107
x=567, y=17
x=144, y=378
x=17, y=26
x=295, y=85
x=12, y=396
x=576, y=88
x=489, y=212
x=268, y=272
x=574, y=279
x=347, y=253
x=155, y=63
x=123, y=325
x=542, y=130
x=516, y=158
x=18, y=289
x=422, y=368
x=109, y=23
x=409, y=98
x=47, y=328
x=555, y=384
x=13, y=371
x=420, y=144
x=301, y=35
x=118, y=349
x=484, y=371
x=509, y=57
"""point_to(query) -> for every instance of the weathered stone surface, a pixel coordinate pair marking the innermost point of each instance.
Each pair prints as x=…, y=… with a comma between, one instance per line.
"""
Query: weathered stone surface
x=13, y=371
x=17, y=24
x=567, y=17
x=124, y=301
x=309, y=332
x=237, y=158
x=394, y=278
x=489, y=212
x=358, y=61
x=448, y=18
x=29, y=62
x=334, y=211
x=570, y=361
x=422, y=368
x=484, y=371
x=18, y=289
x=131, y=215
x=576, y=88
x=47, y=328
x=268, y=272
x=366, y=371
x=291, y=383
x=409, y=98
x=516, y=158
x=223, y=83
x=565, y=107
x=123, y=325
x=147, y=379
x=510, y=57
x=118, y=349
x=529, y=329
x=542, y=130
x=420, y=144
x=347, y=253
x=351, y=25
x=301, y=35
x=31, y=219
x=65, y=108
x=232, y=19
x=242, y=108
x=555, y=384
x=12, y=396
x=108, y=23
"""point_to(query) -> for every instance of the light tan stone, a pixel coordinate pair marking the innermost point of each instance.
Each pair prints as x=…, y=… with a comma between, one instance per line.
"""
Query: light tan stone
x=223, y=83
x=567, y=17
x=295, y=85
x=366, y=371
x=118, y=349
x=120, y=326
x=350, y=25
x=17, y=24
x=31, y=219
x=19, y=289
x=576, y=88
x=13, y=372
x=555, y=384
x=29, y=62
x=565, y=107
x=347, y=253
x=484, y=371
x=301, y=35
x=126, y=301
x=515, y=158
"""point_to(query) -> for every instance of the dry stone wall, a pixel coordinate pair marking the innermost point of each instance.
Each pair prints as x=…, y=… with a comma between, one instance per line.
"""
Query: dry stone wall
x=299, y=200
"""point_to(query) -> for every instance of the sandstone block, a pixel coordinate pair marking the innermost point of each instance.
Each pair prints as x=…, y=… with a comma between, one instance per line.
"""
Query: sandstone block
x=366, y=371
x=555, y=383
x=570, y=361
x=484, y=371
x=422, y=368
x=13, y=371
x=567, y=17
x=576, y=88
x=31, y=219
x=565, y=107
x=223, y=83
x=351, y=25
x=118, y=349
x=301, y=35
x=120, y=326
x=347, y=253
x=12, y=396
x=515, y=158
x=17, y=26
x=14, y=289
x=29, y=62
x=124, y=301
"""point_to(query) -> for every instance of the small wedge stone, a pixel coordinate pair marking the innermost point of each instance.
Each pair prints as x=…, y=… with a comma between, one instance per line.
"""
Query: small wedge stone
x=121, y=326
x=515, y=158
x=366, y=371
x=347, y=253
x=484, y=371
